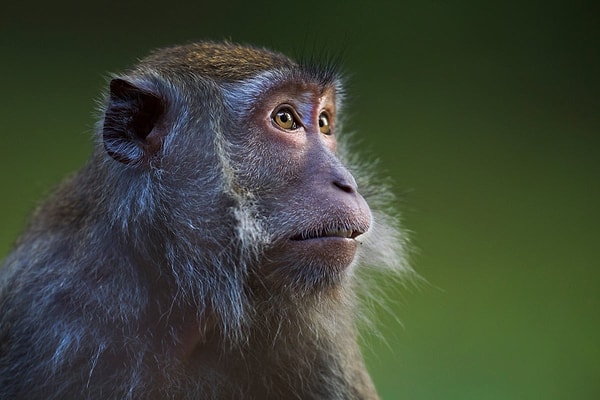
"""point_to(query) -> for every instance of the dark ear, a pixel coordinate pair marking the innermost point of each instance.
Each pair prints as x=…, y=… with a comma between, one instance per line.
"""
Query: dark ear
x=131, y=131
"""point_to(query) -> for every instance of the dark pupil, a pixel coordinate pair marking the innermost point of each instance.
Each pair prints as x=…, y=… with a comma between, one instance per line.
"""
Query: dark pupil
x=284, y=117
x=321, y=122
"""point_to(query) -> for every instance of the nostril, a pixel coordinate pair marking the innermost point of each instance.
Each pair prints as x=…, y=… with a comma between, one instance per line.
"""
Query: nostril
x=346, y=186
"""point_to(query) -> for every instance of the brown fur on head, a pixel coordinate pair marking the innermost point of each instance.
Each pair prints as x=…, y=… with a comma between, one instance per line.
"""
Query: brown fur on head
x=222, y=61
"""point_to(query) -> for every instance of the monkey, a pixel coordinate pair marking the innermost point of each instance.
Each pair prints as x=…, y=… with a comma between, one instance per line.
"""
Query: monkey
x=214, y=246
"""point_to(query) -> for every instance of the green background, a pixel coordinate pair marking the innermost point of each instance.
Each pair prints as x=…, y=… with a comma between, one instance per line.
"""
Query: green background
x=485, y=114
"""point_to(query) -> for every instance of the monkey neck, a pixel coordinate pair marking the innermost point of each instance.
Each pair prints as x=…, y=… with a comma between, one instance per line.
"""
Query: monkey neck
x=300, y=347
x=269, y=319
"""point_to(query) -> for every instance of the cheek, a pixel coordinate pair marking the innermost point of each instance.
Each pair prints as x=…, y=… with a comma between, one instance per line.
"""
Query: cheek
x=264, y=163
x=282, y=149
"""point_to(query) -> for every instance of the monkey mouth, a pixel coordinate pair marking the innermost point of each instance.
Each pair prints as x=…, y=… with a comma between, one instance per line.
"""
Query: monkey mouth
x=331, y=247
x=328, y=233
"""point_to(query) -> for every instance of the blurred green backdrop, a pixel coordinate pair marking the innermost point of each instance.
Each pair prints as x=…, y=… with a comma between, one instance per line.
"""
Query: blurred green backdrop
x=485, y=114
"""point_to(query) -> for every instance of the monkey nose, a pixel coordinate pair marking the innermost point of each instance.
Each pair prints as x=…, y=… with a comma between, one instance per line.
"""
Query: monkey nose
x=346, y=184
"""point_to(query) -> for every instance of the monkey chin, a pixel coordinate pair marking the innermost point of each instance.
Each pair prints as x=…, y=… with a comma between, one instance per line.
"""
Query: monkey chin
x=309, y=266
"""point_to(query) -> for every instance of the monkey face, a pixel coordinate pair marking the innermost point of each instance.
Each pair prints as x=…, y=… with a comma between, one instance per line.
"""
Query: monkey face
x=242, y=164
x=307, y=200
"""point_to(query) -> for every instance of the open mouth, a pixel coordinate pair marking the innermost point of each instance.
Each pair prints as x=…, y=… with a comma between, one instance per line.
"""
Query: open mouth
x=328, y=233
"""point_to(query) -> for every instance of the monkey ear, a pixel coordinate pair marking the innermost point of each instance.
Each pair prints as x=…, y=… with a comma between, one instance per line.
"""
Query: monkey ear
x=131, y=132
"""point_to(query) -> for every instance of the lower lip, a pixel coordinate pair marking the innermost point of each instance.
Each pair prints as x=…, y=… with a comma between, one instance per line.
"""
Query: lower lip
x=332, y=252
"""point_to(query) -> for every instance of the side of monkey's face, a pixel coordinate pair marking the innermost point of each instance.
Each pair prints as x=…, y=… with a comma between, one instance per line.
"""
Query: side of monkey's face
x=232, y=151
x=285, y=158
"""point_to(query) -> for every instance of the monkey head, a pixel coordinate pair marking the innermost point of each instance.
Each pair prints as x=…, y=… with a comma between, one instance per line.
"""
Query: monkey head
x=236, y=157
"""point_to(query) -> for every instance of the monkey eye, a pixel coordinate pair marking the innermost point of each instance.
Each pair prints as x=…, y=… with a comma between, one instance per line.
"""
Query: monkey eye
x=324, y=126
x=284, y=118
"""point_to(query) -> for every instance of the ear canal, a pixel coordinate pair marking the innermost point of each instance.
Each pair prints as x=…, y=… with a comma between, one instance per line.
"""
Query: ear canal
x=131, y=133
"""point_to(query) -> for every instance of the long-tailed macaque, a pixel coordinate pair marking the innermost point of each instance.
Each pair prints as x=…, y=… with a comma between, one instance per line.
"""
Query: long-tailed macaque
x=210, y=248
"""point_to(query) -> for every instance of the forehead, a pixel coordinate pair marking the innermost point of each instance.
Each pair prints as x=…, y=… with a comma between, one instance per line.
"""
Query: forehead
x=287, y=86
x=290, y=88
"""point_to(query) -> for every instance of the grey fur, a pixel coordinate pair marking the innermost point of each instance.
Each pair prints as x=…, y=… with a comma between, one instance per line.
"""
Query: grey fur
x=100, y=290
